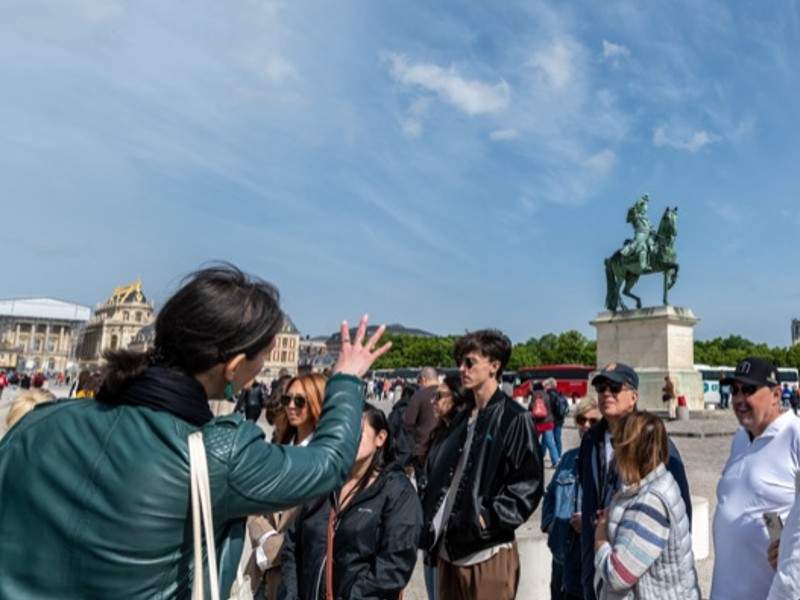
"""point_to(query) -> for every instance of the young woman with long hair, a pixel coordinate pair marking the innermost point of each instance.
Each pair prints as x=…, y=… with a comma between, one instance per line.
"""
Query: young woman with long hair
x=643, y=541
x=108, y=502
x=361, y=540
x=302, y=405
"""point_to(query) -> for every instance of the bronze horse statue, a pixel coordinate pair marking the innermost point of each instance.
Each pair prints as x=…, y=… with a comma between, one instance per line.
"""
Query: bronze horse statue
x=662, y=258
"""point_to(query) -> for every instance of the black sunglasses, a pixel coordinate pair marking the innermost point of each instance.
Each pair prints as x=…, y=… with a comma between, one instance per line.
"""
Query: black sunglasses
x=581, y=420
x=468, y=362
x=748, y=389
x=615, y=387
x=299, y=401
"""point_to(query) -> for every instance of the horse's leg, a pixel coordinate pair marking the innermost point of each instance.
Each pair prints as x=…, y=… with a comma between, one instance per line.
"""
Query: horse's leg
x=670, y=278
x=630, y=281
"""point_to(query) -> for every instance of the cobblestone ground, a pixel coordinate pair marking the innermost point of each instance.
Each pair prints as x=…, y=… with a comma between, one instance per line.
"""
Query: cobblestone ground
x=704, y=458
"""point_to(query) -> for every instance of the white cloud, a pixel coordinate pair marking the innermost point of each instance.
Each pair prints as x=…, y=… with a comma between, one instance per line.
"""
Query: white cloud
x=471, y=96
x=556, y=63
x=602, y=162
x=681, y=138
x=499, y=135
x=727, y=212
x=529, y=205
x=411, y=127
x=279, y=70
x=615, y=53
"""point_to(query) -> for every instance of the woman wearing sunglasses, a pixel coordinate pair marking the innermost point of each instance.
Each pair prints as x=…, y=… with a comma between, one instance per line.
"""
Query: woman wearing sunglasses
x=359, y=542
x=301, y=403
x=447, y=403
x=561, y=513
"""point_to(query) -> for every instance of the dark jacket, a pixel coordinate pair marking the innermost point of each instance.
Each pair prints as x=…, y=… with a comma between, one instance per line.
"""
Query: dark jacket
x=502, y=481
x=375, y=545
x=419, y=420
x=402, y=443
x=96, y=496
x=597, y=494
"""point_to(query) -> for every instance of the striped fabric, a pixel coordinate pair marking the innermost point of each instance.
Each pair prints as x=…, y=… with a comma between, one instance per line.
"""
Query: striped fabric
x=638, y=541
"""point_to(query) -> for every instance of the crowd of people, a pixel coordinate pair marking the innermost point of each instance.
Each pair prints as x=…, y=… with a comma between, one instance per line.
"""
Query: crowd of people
x=344, y=498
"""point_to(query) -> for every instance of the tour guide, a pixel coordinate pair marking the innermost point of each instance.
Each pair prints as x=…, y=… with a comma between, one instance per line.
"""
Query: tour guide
x=485, y=481
x=759, y=477
x=95, y=493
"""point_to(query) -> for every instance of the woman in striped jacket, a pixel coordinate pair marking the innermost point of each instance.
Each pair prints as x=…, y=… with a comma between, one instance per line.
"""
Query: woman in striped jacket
x=643, y=542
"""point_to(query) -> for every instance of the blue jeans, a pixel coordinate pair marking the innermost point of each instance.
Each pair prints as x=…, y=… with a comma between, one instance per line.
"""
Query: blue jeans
x=430, y=582
x=549, y=442
x=557, y=436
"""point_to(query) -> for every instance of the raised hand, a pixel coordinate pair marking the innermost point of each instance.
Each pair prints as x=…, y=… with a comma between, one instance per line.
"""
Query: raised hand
x=356, y=357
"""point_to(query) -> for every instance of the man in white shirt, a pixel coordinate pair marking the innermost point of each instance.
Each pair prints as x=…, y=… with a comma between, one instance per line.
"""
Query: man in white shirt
x=786, y=584
x=759, y=477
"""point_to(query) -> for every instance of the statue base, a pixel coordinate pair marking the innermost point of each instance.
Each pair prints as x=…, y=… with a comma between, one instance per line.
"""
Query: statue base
x=657, y=342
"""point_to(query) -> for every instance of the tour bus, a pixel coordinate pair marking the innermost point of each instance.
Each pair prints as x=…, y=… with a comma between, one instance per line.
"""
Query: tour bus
x=712, y=374
x=570, y=379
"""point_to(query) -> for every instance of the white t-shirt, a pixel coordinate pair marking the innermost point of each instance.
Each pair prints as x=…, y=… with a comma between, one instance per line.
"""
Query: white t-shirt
x=758, y=477
x=786, y=585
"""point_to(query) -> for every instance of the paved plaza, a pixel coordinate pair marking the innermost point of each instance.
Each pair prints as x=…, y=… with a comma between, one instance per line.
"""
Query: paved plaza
x=704, y=444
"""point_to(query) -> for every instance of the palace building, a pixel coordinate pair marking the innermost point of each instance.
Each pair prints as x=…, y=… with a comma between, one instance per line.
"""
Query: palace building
x=115, y=323
x=40, y=334
x=285, y=353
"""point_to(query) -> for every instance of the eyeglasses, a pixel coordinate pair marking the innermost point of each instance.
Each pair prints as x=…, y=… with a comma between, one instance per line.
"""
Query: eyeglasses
x=613, y=386
x=299, y=400
x=468, y=362
x=581, y=420
x=748, y=389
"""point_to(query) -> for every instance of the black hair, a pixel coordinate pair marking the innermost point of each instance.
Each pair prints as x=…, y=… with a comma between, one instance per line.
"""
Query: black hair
x=218, y=312
x=461, y=401
x=491, y=343
x=384, y=455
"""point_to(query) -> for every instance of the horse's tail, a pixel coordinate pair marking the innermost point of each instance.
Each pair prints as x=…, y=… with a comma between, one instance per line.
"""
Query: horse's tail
x=612, y=288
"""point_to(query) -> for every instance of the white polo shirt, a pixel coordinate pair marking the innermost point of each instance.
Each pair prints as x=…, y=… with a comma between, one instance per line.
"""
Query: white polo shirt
x=758, y=477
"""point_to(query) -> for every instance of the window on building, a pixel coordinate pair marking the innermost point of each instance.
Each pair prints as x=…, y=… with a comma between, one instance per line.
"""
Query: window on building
x=126, y=316
x=274, y=356
x=138, y=316
x=284, y=342
x=37, y=345
x=114, y=342
x=291, y=343
x=283, y=355
x=291, y=356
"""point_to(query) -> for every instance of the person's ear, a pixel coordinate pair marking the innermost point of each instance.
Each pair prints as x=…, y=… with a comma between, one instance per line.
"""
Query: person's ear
x=231, y=366
x=380, y=438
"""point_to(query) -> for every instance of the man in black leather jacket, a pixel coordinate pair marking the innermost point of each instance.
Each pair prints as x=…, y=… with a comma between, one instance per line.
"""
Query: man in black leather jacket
x=483, y=481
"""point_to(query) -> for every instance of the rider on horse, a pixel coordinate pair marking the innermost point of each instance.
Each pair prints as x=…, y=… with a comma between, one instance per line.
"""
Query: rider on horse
x=642, y=244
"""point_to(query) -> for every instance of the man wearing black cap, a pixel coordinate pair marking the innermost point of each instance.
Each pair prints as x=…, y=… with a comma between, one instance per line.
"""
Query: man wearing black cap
x=758, y=478
x=617, y=387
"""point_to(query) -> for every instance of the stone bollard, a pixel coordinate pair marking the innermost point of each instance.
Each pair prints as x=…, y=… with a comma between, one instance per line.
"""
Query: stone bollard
x=535, y=564
x=700, y=527
x=683, y=413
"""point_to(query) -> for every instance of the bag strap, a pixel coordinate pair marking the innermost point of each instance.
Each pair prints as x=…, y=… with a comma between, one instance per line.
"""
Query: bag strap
x=201, y=509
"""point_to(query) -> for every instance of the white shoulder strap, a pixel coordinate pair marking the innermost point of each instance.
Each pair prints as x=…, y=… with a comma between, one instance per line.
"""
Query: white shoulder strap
x=201, y=508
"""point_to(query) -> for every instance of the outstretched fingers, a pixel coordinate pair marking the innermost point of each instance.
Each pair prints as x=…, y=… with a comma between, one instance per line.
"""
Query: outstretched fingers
x=344, y=330
x=362, y=330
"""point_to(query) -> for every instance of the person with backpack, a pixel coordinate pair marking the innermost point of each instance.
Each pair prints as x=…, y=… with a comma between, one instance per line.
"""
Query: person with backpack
x=543, y=413
x=560, y=410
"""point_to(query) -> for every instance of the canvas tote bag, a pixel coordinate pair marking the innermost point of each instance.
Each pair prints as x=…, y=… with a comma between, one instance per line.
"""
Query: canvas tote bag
x=201, y=511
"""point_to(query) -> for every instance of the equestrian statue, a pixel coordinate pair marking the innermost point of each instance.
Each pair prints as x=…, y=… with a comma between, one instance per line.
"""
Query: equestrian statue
x=650, y=251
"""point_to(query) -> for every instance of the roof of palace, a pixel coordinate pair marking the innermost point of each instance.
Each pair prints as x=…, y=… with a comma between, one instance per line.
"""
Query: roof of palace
x=44, y=308
x=127, y=294
x=288, y=325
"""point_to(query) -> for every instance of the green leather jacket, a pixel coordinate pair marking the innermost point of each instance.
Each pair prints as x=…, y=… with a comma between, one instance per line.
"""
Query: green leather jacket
x=94, y=499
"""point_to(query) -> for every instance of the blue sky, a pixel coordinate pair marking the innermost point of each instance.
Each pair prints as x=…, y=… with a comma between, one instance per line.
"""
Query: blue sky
x=449, y=167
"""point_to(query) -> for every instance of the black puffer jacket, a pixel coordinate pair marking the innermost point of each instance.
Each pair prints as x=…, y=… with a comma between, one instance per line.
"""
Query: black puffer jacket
x=375, y=546
x=502, y=481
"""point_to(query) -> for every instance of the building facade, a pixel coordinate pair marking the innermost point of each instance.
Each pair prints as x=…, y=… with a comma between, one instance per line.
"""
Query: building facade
x=115, y=323
x=40, y=334
x=285, y=353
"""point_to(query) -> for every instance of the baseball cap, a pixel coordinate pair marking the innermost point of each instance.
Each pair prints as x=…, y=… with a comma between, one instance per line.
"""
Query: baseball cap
x=755, y=371
x=618, y=373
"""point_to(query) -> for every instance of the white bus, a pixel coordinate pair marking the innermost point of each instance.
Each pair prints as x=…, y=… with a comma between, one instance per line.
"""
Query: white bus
x=712, y=374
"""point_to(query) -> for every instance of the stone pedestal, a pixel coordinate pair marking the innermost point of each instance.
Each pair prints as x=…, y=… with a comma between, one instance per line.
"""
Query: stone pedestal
x=656, y=342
